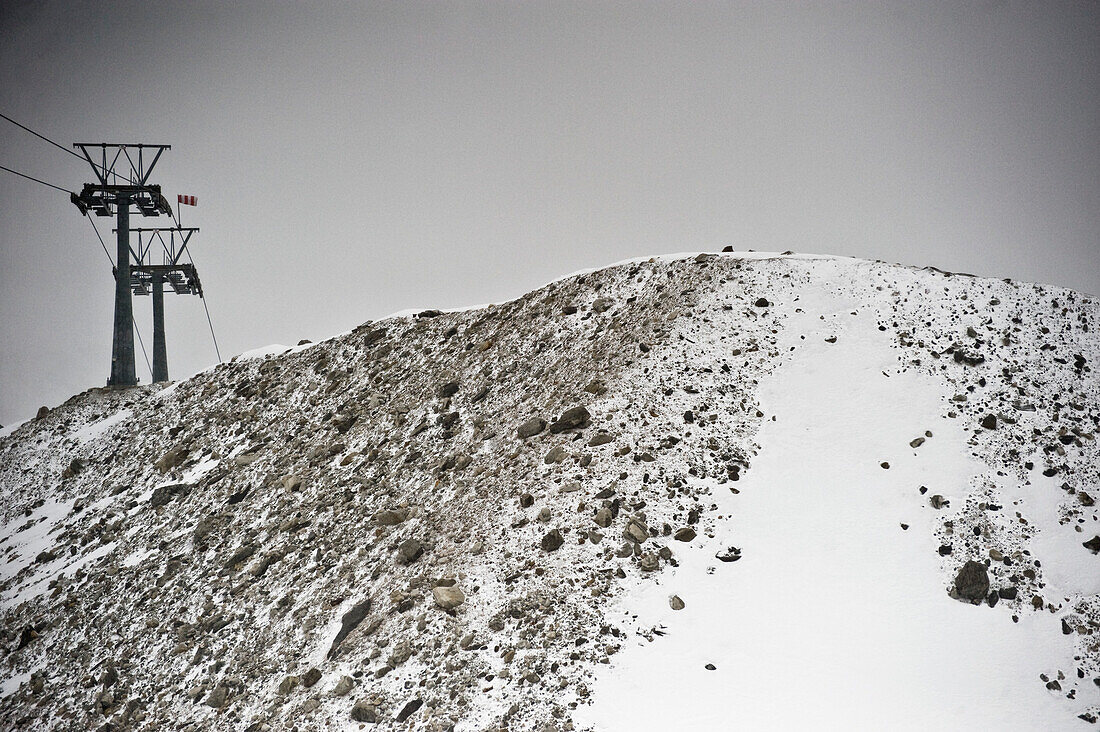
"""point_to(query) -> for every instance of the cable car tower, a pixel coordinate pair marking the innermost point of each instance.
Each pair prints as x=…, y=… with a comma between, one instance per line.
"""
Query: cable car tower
x=150, y=272
x=122, y=180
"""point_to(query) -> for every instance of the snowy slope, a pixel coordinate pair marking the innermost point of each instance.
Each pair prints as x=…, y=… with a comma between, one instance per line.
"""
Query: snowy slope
x=802, y=450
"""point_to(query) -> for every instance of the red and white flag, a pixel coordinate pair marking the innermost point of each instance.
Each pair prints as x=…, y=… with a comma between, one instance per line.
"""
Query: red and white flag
x=188, y=200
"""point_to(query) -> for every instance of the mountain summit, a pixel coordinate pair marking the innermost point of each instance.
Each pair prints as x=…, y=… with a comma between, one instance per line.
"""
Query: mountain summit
x=737, y=491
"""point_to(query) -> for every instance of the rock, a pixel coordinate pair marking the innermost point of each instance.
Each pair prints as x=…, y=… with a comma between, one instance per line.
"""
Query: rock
x=165, y=493
x=239, y=556
x=544, y=514
x=972, y=582
x=45, y=556
x=600, y=438
x=603, y=517
x=343, y=686
x=348, y=623
x=531, y=427
x=173, y=458
x=75, y=466
x=570, y=419
x=343, y=422
x=596, y=387
x=556, y=455
x=552, y=541
x=447, y=390
x=391, y=516
x=42, y=412
x=969, y=359
x=526, y=500
x=448, y=598
x=601, y=304
x=288, y=684
x=761, y=302
x=1093, y=544
x=685, y=534
x=989, y=422
x=676, y=603
x=731, y=554
x=409, y=551
x=246, y=458
x=636, y=531
x=218, y=697
x=408, y=709
x=311, y=677
x=917, y=442
x=364, y=711
x=650, y=562
x=937, y=501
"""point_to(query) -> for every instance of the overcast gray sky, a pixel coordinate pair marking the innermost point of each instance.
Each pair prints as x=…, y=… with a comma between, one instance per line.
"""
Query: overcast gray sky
x=354, y=159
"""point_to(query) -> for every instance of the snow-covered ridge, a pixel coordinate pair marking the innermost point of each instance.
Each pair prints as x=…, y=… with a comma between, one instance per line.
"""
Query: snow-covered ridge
x=488, y=517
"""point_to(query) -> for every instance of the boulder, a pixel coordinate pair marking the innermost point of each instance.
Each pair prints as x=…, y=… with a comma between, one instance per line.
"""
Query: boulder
x=972, y=582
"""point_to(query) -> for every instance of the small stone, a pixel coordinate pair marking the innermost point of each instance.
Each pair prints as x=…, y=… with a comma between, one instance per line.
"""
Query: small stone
x=364, y=711
x=761, y=302
x=685, y=534
x=989, y=422
x=556, y=455
x=349, y=622
x=884, y=466
x=1093, y=544
x=311, y=677
x=218, y=697
x=288, y=684
x=600, y=438
x=531, y=427
x=676, y=603
x=636, y=531
x=447, y=390
x=343, y=686
x=408, y=709
x=552, y=541
x=390, y=516
x=603, y=517
x=732, y=554
x=448, y=598
x=917, y=442
x=570, y=419
x=409, y=551
x=596, y=387
x=650, y=562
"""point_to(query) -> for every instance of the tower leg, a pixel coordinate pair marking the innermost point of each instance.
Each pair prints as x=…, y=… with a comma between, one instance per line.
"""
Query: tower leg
x=160, y=349
x=122, y=347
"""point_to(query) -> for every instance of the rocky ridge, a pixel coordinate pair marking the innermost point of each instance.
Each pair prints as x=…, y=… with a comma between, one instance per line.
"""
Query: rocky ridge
x=422, y=523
